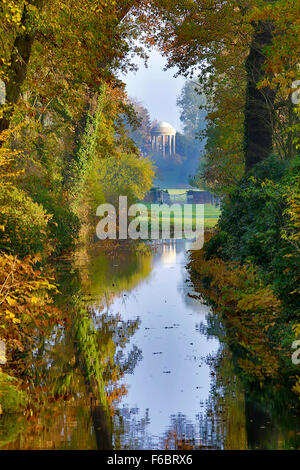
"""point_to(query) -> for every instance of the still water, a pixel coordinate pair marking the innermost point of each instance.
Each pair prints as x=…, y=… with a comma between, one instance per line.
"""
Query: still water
x=141, y=366
x=171, y=381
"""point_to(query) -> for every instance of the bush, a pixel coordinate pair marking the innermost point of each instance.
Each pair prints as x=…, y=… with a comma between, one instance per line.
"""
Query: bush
x=64, y=224
x=259, y=225
x=63, y=227
x=26, y=296
x=23, y=222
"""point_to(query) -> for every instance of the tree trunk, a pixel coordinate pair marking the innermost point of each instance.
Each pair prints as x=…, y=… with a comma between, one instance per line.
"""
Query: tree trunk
x=20, y=56
x=17, y=71
x=258, y=133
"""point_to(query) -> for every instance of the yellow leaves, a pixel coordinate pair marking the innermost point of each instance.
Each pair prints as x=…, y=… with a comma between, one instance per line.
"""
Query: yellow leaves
x=25, y=303
x=250, y=309
x=11, y=316
x=10, y=300
x=8, y=157
x=296, y=329
x=268, y=367
x=34, y=300
x=11, y=15
x=291, y=230
x=296, y=387
x=270, y=325
x=264, y=83
x=262, y=299
x=236, y=288
x=37, y=258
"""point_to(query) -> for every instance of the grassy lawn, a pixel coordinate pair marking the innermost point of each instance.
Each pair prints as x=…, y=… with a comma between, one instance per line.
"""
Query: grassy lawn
x=179, y=193
x=211, y=216
x=174, y=192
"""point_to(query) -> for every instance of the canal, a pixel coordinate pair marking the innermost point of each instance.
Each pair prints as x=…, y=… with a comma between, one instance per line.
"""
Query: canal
x=141, y=365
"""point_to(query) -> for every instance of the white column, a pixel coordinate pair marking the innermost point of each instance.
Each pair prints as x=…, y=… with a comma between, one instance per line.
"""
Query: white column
x=174, y=140
x=170, y=144
x=164, y=145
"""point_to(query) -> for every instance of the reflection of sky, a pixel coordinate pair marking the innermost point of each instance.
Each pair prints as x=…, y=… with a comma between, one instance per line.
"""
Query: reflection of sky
x=172, y=378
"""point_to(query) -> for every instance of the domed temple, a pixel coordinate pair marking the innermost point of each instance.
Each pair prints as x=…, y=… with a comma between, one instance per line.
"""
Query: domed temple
x=163, y=137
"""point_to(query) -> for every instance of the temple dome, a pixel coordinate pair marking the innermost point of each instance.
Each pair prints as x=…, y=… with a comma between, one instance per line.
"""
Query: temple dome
x=163, y=128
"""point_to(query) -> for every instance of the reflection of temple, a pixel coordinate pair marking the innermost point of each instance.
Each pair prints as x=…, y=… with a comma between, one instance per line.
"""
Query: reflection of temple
x=163, y=137
x=169, y=253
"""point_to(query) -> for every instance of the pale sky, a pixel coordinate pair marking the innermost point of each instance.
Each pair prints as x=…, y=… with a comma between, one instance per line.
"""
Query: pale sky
x=156, y=89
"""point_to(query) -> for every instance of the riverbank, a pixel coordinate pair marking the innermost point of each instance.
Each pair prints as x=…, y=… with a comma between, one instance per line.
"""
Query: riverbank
x=249, y=272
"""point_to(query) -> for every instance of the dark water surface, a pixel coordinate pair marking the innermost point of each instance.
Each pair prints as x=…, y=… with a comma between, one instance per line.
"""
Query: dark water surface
x=142, y=367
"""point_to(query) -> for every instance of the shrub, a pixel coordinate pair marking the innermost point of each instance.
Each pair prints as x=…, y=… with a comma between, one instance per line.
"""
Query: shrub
x=23, y=222
x=25, y=301
x=260, y=225
x=64, y=224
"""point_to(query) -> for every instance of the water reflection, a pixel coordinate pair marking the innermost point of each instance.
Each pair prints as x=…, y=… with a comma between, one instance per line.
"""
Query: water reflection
x=169, y=253
x=142, y=365
x=172, y=377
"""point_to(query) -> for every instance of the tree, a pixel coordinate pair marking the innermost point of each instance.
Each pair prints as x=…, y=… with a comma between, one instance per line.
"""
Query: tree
x=259, y=106
x=244, y=54
x=126, y=175
x=271, y=119
x=69, y=33
x=15, y=69
x=140, y=131
x=191, y=104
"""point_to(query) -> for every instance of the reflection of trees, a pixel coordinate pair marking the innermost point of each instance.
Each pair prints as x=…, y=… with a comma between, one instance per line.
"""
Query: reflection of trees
x=220, y=424
x=110, y=274
x=235, y=419
x=181, y=435
x=99, y=367
x=223, y=421
x=130, y=430
x=76, y=371
x=81, y=371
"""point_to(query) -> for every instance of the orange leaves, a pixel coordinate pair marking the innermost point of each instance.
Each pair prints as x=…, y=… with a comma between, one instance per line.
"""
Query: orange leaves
x=254, y=302
x=8, y=170
x=115, y=395
x=235, y=286
x=25, y=303
x=249, y=309
x=282, y=57
x=86, y=34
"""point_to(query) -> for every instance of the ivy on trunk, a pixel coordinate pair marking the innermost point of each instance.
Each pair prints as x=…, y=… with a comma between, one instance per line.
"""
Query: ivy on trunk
x=258, y=128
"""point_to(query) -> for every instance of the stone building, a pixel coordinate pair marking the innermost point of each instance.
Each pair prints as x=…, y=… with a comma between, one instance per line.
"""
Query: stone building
x=202, y=197
x=163, y=137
